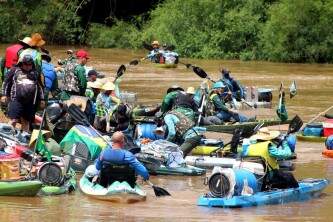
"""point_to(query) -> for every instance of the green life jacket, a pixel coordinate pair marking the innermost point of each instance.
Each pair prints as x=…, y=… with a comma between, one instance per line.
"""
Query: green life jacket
x=183, y=125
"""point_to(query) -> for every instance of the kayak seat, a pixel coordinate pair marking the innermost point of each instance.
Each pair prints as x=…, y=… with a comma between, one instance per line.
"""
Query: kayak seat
x=116, y=172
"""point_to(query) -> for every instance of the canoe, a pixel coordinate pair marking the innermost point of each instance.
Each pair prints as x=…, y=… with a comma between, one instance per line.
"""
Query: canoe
x=328, y=153
x=20, y=188
x=225, y=162
x=229, y=128
x=160, y=65
x=116, y=192
x=186, y=170
x=308, y=189
x=318, y=139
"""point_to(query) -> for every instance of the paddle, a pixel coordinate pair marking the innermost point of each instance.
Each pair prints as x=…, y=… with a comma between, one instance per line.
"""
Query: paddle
x=122, y=68
x=79, y=116
x=294, y=126
x=317, y=116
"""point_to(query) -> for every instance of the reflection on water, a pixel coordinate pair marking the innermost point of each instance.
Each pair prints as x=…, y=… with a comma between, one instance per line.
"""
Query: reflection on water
x=315, y=95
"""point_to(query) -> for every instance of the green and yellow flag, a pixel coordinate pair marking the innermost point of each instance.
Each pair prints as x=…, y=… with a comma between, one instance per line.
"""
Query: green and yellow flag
x=41, y=147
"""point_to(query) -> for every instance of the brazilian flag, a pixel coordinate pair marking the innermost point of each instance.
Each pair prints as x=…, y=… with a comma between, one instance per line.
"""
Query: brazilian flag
x=41, y=147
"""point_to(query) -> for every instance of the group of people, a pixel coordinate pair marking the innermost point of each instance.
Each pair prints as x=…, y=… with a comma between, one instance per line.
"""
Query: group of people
x=162, y=55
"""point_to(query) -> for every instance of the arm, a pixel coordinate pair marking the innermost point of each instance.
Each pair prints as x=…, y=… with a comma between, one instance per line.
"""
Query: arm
x=7, y=84
x=219, y=104
x=117, y=90
x=136, y=165
x=168, y=101
x=281, y=152
x=170, y=121
x=98, y=162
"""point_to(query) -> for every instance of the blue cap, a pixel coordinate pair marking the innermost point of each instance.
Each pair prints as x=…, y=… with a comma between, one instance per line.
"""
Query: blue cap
x=218, y=85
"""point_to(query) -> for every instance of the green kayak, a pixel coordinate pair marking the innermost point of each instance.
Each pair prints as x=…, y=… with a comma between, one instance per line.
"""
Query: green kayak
x=158, y=65
x=68, y=187
x=318, y=139
x=186, y=170
x=247, y=125
x=116, y=192
x=20, y=188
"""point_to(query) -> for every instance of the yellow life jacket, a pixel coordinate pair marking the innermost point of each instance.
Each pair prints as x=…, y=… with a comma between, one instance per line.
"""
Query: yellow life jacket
x=261, y=149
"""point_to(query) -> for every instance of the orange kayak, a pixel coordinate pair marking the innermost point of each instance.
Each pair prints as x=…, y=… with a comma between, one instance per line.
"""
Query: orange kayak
x=328, y=153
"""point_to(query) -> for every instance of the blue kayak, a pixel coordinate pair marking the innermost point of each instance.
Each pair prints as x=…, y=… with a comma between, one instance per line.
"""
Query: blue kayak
x=309, y=188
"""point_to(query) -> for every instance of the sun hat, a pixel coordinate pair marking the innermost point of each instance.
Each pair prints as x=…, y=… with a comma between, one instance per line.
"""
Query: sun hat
x=36, y=40
x=190, y=90
x=155, y=43
x=26, y=40
x=108, y=86
x=174, y=88
x=95, y=84
x=35, y=133
x=265, y=134
x=82, y=54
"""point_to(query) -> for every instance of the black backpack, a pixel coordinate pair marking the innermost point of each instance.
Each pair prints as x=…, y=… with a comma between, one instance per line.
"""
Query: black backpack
x=26, y=86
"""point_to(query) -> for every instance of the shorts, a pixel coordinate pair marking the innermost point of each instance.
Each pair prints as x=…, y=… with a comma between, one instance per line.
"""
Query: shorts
x=17, y=110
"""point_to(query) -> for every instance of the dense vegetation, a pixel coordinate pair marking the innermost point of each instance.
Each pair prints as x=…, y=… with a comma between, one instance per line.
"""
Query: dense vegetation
x=275, y=30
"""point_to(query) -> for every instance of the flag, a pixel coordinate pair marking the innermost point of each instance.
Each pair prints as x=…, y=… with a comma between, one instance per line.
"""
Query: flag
x=41, y=146
x=281, y=111
x=293, y=89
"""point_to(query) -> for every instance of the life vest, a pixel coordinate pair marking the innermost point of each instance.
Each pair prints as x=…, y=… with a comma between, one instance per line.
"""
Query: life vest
x=111, y=172
x=12, y=55
x=49, y=74
x=261, y=149
x=183, y=125
x=71, y=81
x=183, y=100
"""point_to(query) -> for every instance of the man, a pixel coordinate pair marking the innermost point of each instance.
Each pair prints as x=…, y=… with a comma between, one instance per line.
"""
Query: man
x=117, y=164
x=170, y=97
x=220, y=109
x=92, y=75
x=155, y=55
x=185, y=103
x=51, y=80
x=232, y=85
x=105, y=104
x=75, y=81
x=23, y=89
x=270, y=148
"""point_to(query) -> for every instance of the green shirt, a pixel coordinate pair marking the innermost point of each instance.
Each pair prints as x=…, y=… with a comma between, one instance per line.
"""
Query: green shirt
x=218, y=103
x=90, y=93
x=80, y=72
x=168, y=101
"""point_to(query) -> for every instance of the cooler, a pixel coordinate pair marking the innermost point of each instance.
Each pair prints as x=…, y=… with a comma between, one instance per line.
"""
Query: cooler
x=328, y=127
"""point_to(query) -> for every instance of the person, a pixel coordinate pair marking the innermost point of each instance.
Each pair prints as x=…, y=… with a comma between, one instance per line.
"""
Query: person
x=117, y=164
x=270, y=147
x=105, y=104
x=231, y=84
x=51, y=80
x=92, y=75
x=71, y=58
x=155, y=54
x=93, y=89
x=75, y=81
x=220, y=109
x=11, y=56
x=23, y=88
x=170, y=97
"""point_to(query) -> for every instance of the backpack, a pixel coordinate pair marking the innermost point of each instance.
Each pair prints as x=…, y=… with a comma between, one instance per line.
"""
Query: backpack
x=25, y=86
x=70, y=79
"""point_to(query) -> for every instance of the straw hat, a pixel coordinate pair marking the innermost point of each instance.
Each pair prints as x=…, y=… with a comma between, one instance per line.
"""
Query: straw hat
x=190, y=90
x=36, y=40
x=265, y=134
x=26, y=40
x=34, y=136
x=79, y=101
x=108, y=86
x=155, y=43
x=95, y=85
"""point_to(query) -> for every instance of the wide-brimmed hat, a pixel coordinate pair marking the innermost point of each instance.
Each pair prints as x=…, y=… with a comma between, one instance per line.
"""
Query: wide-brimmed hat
x=155, y=43
x=37, y=40
x=80, y=101
x=95, y=84
x=108, y=86
x=26, y=40
x=82, y=54
x=35, y=133
x=190, y=90
x=174, y=88
x=265, y=134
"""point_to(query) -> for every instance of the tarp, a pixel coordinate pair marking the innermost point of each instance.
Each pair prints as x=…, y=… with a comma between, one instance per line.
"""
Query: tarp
x=86, y=135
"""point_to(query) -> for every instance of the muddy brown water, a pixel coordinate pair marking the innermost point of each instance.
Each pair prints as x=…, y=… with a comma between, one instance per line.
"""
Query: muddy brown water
x=315, y=93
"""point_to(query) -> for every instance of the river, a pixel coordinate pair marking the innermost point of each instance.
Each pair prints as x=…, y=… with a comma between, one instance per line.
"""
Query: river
x=315, y=91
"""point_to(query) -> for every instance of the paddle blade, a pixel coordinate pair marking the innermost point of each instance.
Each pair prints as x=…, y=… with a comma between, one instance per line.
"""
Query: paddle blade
x=147, y=46
x=295, y=125
x=159, y=191
x=199, y=71
x=134, y=62
x=120, y=71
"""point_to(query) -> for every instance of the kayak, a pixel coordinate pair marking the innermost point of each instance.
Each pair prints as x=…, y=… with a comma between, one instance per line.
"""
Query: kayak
x=204, y=150
x=328, y=153
x=245, y=126
x=308, y=189
x=186, y=170
x=224, y=162
x=116, y=192
x=68, y=187
x=310, y=138
x=20, y=188
x=163, y=65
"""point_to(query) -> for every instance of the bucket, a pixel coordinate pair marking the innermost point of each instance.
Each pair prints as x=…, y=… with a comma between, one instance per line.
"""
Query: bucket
x=9, y=167
x=328, y=127
x=146, y=130
x=232, y=182
x=265, y=95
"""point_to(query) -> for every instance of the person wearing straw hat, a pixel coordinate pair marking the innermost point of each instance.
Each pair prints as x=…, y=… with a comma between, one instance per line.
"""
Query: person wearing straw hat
x=50, y=144
x=268, y=146
x=105, y=104
x=51, y=80
x=185, y=103
x=93, y=89
x=155, y=55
